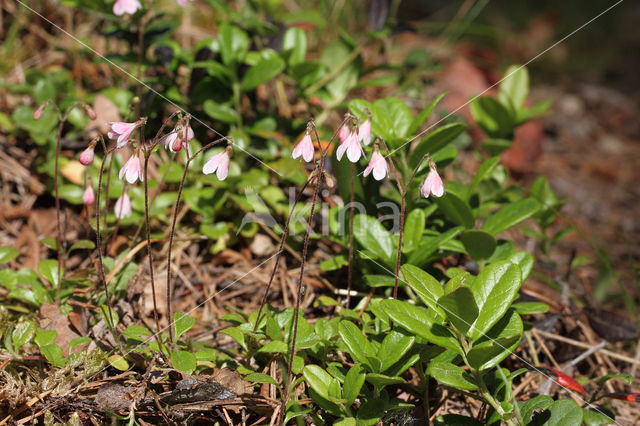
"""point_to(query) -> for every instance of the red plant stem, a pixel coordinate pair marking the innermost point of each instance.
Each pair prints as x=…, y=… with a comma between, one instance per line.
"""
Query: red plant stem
x=173, y=228
x=58, y=227
x=100, y=248
x=148, y=232
x=351, y=215
x=285, y=233
x=304, y=257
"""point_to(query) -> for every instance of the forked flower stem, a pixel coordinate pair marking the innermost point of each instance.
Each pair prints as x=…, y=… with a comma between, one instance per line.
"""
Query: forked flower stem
x=285, y=233
x=403, y=195
x=173, y=228
x=103, y=278
x=58, y=225
x=148, y=232
x=351, y=215
x=302, y=264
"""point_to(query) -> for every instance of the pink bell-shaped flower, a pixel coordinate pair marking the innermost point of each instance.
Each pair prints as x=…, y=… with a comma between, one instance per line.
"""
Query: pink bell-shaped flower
x=130, y=7
x=304, y=148
x=343, y=133
x=432, y=185
x=178, y=138
x=86, y=156
x=378, y=165
x=122, y=131
x=219, y=164
x=364, y=132
x=352, y=147
x=132, y=169
x=122, y=207
x=183, y=3
x=88, y=198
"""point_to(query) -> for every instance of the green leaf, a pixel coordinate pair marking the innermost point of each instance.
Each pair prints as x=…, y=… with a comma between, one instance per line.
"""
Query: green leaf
x=391, y=119
x=381, y=380
x=294, y=46
x=524, y=261
x=353, y=382
x=137, y=332
x=118, y=362
x=456, y=420
x=479, y=244
x=460, y=308
x=261, y=72
x=424, y=114
x=45, y=337
x=318, y=379
x=373, y=236
x=496, y=146
x=539, y=109
x=220, y=112
x=82, y=244
x=347, y=421
x=182, y=324
x=428, y=288
x=451, y=375
x=514, y=87
x=50, y=242
x=260, y=378
x=483, y=352
x=509, y=325
x=22, y=333
x=413, y=229
x=456, y=281
x=527, y=408
x=597, y=416
x=82, y=340
x=357, y=344
x=510, y=215
x=48, y=268
x=622, y=376
x=184, y=361
x=492, y=116
x=484, y=171
x=53, y=354
x=530, y=308
x=7, y=254
x=420, y=322
x=234, y=43
x=435, y=141
x=455, y=209
x=393, y=348
x=276, y=346
x=429, y=245
x=565, y=412
x=494, y=289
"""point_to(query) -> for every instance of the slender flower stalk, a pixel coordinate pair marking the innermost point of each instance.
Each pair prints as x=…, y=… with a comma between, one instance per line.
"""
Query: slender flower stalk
x=403, y=196
x=189, y=158
x=351, y=216
x=111, y=323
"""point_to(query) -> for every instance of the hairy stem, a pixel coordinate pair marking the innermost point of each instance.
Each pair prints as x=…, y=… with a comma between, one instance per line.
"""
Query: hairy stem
x=351, y=215
x=58, y=226
x=285, y=233
x=100, y=248
x=148, y=232
x=302, y=264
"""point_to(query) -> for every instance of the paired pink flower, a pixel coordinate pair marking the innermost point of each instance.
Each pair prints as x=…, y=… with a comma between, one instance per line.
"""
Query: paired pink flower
x=352, y=147
x=304, y=148
x=343, y=133
x=88, y=198
x=378, y=165
x=122, y=207
x=132, y=169
x=86, y=156
x=183, y=3
x=126, y=6
x=364, y=132
x=178, y=138
x=219, y=164
x=122, y=131
x=432, y=184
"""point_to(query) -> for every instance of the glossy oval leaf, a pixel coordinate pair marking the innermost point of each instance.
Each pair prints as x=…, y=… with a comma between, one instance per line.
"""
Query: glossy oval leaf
x=510, y=215
x=182, y=323
x=460, y=308
x=373, y=236
x=435, y=141
x=48, y=268
x=353, y=382
x=413, y=228
x=494, y=289
x=261, y=72
x=514, y=87
x=451, y=375
x=318, y=379
x=184, y=361
x=7, y=254
x=483, y=352
x=455, y=209
x=427, y=287
x=479, y=244
x=391, y=120
x=393, y=348
x=294, y=45
x=358, y=345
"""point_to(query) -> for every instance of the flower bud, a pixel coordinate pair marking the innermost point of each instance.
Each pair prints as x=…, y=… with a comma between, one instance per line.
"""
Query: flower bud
x=88, y=198
x=38, y=113
x=90, y=112
x=86, y=156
